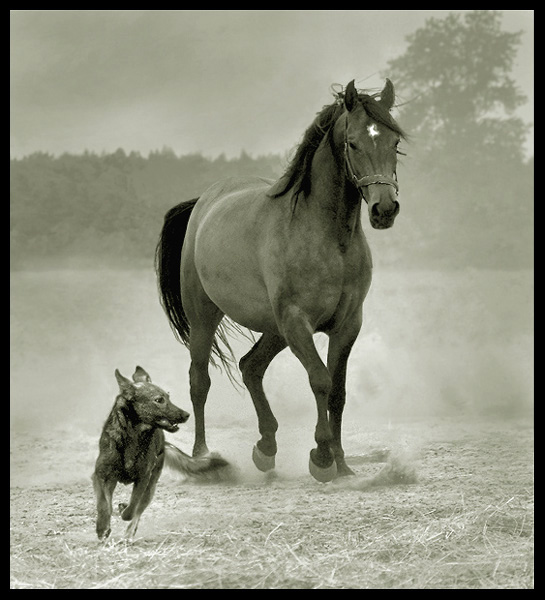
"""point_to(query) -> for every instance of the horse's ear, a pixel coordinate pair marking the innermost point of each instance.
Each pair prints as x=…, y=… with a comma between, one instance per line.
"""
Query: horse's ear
x=126, y=387
x=141, y=375
x=387, y=96
x=350, y=96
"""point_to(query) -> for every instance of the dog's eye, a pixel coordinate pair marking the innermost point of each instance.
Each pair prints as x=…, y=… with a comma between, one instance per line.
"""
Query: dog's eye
x=159, y=400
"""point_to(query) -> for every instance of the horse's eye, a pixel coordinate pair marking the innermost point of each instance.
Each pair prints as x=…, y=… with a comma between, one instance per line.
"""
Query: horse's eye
x=159, y=400
x=352, y=145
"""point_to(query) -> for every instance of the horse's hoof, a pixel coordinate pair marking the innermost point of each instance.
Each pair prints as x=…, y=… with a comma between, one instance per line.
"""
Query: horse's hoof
x=262, y=461
x=322, y=474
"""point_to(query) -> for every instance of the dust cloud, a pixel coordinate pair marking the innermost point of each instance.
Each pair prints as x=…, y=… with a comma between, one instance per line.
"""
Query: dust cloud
x=449, y=343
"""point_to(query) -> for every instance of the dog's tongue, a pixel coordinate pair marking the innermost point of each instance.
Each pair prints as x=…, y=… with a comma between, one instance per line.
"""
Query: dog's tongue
x=167, y=424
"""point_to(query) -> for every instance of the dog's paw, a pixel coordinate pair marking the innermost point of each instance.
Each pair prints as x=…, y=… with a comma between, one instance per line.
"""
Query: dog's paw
x=103, y=534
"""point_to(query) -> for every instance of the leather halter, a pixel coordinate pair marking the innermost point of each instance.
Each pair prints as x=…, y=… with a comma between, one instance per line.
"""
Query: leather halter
x=366, y=180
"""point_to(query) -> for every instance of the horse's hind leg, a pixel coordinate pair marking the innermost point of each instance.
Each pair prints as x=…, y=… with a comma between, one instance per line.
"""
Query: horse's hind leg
x=203, y=317
x=253, y=366
x=201, y=340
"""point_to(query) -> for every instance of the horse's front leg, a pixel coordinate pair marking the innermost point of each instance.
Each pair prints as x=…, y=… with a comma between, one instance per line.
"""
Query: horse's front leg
x=253, y=366
x=340, y=346
x=298, y=333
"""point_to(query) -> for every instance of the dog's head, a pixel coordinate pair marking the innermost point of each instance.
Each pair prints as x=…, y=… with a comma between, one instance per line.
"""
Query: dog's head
x=148, y=402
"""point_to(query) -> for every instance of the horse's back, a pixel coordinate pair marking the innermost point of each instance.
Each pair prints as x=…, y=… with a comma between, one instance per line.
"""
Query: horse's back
x=235, y=208
x=225, y=188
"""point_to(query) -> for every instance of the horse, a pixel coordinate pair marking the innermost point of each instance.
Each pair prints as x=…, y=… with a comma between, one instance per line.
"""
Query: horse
x=287, y=259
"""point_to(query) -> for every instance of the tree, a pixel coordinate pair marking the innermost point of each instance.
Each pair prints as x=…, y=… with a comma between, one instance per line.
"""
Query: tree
x=456, y=77
x=458, y=103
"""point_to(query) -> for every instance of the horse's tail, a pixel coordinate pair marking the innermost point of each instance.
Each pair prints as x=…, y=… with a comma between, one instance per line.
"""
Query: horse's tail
x=168, y=257
x=201, y=468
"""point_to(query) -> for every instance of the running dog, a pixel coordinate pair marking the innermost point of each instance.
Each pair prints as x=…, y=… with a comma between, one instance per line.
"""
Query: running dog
x=132, y=449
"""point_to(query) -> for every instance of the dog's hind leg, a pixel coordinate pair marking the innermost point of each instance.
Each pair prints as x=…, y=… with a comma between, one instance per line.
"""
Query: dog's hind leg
x=104, y=489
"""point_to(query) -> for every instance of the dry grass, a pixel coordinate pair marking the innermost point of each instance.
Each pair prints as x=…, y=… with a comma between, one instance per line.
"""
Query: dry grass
x=486, y=548
x=466, y=523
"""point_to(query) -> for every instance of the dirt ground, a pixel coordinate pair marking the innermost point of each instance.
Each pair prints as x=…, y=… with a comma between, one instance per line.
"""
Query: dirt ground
x=467, y=521
x=434, y=344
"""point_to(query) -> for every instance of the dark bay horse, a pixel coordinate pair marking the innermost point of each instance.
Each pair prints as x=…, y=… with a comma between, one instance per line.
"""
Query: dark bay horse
x=287, y=259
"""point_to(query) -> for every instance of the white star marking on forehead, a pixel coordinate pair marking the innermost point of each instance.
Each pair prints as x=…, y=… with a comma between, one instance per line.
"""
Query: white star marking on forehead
x=373, y=131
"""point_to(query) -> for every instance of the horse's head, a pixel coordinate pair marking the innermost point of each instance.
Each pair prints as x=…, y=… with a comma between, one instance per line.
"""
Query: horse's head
x=370, y=144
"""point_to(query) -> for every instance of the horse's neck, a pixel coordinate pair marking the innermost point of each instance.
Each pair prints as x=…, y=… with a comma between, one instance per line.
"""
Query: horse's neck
x=334, y=195
x=348, y=218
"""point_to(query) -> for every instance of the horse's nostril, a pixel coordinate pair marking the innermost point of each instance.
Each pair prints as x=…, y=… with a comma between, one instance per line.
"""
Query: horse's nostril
x=390, y=211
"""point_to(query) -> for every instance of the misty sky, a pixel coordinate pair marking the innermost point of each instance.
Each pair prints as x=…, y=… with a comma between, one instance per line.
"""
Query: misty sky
x=200, y=81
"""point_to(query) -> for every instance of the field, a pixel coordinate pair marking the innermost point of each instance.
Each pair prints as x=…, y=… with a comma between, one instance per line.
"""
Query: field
x=466, y=523
x=442, y=376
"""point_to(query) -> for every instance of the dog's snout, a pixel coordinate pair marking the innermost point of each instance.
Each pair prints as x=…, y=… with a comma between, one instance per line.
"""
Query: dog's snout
x=184, y=416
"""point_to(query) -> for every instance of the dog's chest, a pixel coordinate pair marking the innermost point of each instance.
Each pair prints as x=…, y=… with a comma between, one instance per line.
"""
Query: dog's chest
x=139, y=458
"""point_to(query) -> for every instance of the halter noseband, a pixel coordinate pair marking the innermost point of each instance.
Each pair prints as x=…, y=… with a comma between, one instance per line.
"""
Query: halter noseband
x=366, y=180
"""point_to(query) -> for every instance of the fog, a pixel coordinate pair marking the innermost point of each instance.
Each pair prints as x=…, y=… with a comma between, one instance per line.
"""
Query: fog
x=200, y=80
x=448, y=323
x=433, y=344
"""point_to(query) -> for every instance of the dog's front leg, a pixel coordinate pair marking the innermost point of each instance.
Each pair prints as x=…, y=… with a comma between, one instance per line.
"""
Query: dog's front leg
x=104, y=489
x=127, y=511
x=142, y=495
x=132, y=511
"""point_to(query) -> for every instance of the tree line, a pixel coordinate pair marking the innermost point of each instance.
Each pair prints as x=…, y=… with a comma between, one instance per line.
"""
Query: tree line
x=109, y=208
x=466, y=184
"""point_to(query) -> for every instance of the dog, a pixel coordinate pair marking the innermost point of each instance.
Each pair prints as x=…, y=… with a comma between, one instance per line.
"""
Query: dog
x=132, y=449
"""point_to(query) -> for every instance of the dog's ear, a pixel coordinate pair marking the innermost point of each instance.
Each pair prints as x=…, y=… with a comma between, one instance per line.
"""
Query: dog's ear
x=141, y=376
x=126, y=386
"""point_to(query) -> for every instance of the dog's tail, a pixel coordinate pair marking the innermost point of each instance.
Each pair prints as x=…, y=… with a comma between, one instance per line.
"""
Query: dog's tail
x=210, y=468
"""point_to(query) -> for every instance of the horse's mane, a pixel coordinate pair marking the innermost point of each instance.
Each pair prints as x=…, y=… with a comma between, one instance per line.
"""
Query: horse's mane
x=297, y=175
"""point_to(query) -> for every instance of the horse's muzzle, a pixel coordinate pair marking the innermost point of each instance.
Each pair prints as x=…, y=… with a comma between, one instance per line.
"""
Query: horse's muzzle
x=382, y=214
